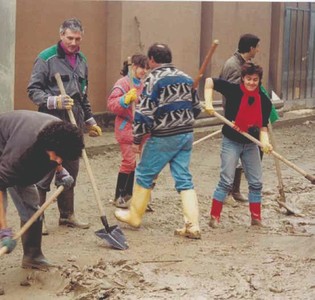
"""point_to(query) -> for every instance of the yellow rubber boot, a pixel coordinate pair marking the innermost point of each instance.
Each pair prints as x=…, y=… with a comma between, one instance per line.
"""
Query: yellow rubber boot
x=191, y=215
x=138, y=204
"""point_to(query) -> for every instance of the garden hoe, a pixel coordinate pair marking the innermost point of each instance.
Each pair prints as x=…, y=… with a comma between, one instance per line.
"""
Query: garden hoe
x=112, y=234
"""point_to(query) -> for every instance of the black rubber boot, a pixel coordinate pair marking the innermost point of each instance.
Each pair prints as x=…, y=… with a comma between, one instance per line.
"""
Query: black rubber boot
x=124, y=189
x=236, y=186
x=130, y=181
x=66, y=208
x=42, y=199
x=32, y=252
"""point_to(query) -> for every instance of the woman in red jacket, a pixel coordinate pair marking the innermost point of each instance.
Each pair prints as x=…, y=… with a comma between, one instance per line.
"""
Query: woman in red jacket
x=121, y=101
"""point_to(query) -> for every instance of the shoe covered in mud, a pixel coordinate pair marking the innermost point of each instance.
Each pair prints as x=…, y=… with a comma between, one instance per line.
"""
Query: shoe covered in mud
x=72, y=221
x=256, y=222
x=237, y=196
x=33, y=257
x=214, y=222
x=122, y=202
x=38, y=262
x=189, y=231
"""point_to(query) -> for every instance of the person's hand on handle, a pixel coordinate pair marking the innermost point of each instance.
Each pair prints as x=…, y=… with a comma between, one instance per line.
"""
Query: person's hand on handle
x=63, y=178
x=60, y=102
x=6, y=237
x=208, y=94
x=131, y=96
x=93, y=128
x=264, y=139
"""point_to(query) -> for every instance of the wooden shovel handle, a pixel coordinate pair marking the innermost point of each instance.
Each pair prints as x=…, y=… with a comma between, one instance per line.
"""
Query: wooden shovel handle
x=205, y=63
x=207, y=137
x=133, y=104
x=277, y=165
x=287, y=162
x=84, y=155
x=34, y=217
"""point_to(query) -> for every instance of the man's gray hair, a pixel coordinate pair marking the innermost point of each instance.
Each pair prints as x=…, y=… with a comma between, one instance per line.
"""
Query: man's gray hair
x=73, y=24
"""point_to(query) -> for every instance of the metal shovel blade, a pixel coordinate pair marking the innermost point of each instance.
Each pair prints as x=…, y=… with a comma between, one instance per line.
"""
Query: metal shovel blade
x=114, y=236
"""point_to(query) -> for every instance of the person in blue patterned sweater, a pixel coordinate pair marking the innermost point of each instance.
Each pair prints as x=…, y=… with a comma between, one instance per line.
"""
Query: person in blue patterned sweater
x=167, y=111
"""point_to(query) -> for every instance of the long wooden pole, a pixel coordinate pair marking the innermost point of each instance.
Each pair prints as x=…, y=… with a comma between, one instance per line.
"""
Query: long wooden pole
x=207, y=137
x=277, y=164
x=205, y=63
x=84, y=155
x=133, y=104
x=309, y=177
x=34, y=217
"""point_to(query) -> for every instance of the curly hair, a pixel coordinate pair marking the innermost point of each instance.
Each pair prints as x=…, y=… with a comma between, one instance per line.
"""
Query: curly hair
x=251, y=69
x=65, y=139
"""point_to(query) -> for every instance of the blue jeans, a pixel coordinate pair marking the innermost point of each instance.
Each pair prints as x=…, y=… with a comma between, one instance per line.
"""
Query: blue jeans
x=158, y=151
x=231, y=152
x=26, y=200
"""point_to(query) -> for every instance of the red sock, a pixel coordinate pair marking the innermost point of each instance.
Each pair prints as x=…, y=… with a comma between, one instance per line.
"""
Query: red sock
x=255, y=211
x=216, y=209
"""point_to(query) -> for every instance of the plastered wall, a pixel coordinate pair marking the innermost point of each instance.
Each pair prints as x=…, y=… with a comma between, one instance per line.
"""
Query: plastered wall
x=7, y=54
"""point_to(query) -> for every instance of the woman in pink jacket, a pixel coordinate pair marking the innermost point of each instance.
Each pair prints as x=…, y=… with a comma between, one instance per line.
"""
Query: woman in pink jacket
x=120, y=102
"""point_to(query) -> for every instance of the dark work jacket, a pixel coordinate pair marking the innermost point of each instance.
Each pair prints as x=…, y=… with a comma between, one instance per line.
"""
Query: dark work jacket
x=22, y=162
x=43, y=83
x=233, y=95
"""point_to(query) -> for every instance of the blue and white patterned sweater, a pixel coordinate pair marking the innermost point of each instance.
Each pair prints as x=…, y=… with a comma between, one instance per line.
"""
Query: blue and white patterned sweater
x=168, y=104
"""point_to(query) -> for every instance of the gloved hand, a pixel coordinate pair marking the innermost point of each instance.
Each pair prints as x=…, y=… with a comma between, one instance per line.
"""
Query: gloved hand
x=264, y=139
x=208, y=101
x=59, y=102
x=95, y=130
x=131, y=96
x=64, y=178
x=6, y=236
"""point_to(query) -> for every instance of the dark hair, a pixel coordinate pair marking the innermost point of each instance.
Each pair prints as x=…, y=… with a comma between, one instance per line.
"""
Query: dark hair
x=246, y=41
x=250, y=69
x=73, y=24
x=161, y=53
x=65, y=139
x=138, y=60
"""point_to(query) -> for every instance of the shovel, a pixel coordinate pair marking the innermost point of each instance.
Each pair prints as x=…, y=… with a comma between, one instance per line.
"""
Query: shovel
x=112, y=234
x=34, y=217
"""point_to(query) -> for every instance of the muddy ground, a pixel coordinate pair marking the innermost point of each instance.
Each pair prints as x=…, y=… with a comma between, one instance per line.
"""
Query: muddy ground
x=234, y=261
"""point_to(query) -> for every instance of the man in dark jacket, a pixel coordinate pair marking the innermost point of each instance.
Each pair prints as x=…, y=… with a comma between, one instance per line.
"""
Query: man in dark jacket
x=67, y=59
x=31, y=145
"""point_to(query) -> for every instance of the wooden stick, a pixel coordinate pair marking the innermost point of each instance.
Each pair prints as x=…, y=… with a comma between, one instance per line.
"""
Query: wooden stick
x=277, y=165
x=207, y=137
x=309, y=177
x=34, y=217
x=84, y=155
x=205, y=63
x=133, y=104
